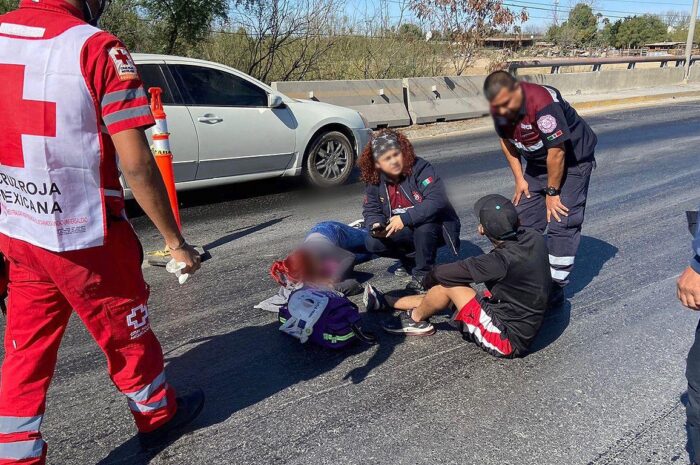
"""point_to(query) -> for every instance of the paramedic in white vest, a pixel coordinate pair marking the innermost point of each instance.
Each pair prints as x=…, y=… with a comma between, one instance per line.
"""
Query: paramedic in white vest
x=70, y=100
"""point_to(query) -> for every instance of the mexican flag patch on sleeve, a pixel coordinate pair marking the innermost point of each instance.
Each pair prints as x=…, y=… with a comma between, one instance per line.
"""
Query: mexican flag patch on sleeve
x=426, y=181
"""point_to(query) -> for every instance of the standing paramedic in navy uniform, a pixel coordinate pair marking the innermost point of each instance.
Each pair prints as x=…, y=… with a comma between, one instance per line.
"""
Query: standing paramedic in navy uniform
x=534, y=122
x=688, y=291
x=70, y=99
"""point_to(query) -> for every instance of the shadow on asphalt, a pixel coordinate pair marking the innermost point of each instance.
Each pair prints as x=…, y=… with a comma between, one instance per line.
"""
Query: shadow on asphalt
x=242, y=232
x=592, y=254
x=246, y=366
x=555, y=323
x=289, y=187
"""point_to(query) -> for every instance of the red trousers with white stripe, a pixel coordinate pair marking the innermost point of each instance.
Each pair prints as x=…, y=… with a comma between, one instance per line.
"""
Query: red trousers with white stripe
x=483, y=329
x=105, y=287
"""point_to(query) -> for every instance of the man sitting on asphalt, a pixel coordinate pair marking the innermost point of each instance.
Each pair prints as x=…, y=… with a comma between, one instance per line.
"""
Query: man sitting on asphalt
x=503, y=321
x=406, y=209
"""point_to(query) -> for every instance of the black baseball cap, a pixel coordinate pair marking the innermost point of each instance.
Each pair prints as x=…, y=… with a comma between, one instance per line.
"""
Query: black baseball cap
x=497, y=215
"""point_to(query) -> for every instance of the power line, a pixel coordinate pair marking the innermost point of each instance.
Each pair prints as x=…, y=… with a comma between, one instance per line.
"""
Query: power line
x=650, y=3
x=540, y=6
x=544, y=6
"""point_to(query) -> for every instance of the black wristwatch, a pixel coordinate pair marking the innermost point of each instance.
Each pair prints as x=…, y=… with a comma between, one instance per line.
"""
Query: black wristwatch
x=552, y=191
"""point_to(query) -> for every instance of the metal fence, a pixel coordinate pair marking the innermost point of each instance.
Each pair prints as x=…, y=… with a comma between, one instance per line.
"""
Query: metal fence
x=596, y=64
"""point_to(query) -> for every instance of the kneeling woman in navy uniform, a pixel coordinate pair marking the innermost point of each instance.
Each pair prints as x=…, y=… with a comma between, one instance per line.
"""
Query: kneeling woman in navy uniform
x=406, y=209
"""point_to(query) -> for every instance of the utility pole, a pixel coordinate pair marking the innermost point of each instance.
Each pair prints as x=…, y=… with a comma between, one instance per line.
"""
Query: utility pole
x=556, y=15
x=691, y=35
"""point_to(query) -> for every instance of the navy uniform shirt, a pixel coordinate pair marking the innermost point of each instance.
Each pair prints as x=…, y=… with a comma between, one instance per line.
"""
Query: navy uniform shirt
x=547, y=120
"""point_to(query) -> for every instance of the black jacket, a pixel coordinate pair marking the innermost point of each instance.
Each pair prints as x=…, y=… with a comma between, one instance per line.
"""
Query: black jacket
x=426, y=191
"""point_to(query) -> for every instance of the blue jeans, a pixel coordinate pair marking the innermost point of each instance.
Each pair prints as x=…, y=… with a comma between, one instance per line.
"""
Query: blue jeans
x=346, y=237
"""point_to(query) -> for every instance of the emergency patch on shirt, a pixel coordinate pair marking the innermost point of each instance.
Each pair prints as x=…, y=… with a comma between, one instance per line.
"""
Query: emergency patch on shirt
x=426, y=181
x=417, y=196
x=547, y=123
x=123, y=64
x=138, y=320
x=556, y=135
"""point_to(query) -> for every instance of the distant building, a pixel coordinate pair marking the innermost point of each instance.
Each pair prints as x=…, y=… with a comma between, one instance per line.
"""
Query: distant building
x=664, y=46
x=509, y=42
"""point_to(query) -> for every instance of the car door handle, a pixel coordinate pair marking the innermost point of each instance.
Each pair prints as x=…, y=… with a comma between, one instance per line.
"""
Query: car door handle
x=209, y=119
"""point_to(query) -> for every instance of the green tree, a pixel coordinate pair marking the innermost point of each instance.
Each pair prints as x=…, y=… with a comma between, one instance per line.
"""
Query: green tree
x=608, y=35
x=680, y=33
x=122, y=19
x=636, y=31
x=578, y=31
x=182, y=23
x=8, y=5
x=584, y=24
x=552, y=34
x=410, y=31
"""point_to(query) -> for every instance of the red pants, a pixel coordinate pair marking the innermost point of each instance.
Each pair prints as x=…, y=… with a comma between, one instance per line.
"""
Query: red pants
x=105, y=287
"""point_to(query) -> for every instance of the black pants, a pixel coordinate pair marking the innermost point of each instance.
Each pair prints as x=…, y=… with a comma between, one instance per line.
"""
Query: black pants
x=563, y=237
x=424, y=240
x=692, y=372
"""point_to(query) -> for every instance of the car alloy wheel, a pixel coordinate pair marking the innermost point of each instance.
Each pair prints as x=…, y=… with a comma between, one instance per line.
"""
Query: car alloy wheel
x=330, y=160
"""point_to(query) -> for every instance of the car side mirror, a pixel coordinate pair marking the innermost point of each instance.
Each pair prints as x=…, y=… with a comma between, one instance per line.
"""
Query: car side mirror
x=274, y=101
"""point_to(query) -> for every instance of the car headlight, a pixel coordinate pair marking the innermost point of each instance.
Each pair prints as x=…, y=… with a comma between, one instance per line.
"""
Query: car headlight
x=364, y=120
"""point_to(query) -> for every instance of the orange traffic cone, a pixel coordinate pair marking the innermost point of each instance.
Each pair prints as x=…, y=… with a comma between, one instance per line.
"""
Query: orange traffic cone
x=161, y=150
x=164, y=160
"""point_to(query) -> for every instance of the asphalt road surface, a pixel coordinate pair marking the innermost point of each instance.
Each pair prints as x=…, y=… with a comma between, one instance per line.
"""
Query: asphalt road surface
x=605, y=384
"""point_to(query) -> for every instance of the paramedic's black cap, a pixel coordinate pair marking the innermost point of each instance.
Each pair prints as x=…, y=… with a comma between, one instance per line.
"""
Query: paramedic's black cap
x=497, y=215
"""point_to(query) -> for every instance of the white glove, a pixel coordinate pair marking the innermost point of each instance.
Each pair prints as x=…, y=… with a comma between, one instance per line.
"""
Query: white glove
x=175, y=267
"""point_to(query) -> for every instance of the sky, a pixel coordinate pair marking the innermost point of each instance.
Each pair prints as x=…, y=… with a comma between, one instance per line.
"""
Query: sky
x=541, y=12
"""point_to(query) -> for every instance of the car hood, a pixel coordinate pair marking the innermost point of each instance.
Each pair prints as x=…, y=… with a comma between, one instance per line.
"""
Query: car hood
x=327, y=110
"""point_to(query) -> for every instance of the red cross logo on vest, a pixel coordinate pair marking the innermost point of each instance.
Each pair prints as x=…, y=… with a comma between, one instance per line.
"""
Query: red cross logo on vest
x=121, y=56
x=138, y=317
x=20, y=117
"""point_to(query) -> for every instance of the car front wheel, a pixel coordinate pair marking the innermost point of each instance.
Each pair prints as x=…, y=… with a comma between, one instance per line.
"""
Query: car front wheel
x=330, y=160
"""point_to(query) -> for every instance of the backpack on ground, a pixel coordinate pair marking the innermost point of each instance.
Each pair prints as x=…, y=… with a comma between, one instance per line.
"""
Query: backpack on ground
x=323, y=317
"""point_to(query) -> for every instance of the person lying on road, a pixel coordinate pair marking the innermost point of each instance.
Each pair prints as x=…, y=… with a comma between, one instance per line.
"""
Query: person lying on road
x=406, y=209
x=503, y=321
x=327, y=257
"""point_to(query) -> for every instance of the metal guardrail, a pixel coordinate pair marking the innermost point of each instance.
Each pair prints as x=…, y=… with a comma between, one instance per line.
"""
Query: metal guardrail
x=597, y=64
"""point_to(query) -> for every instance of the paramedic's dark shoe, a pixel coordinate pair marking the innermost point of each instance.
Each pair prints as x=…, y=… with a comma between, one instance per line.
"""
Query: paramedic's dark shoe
x=556, y=297
x=373, y=299
x=416, y=285
x=189, y=407
x=349, y=287
x=398, y=269
x=404, y=324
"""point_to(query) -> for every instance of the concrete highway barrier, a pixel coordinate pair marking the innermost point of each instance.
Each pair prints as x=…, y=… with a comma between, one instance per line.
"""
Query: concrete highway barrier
x=397, y=102
x=435, y=99
x=608, y=81
x=381, y=101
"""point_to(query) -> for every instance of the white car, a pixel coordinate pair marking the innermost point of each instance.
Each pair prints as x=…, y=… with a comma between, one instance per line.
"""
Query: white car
x=227, y=127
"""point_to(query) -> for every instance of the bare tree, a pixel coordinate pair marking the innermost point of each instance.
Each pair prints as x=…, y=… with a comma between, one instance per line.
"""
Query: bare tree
x=465, y=23
x=286, y=38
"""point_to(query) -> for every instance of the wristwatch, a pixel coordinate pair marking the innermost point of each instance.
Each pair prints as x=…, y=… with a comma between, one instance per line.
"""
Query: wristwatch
x=552, y=191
